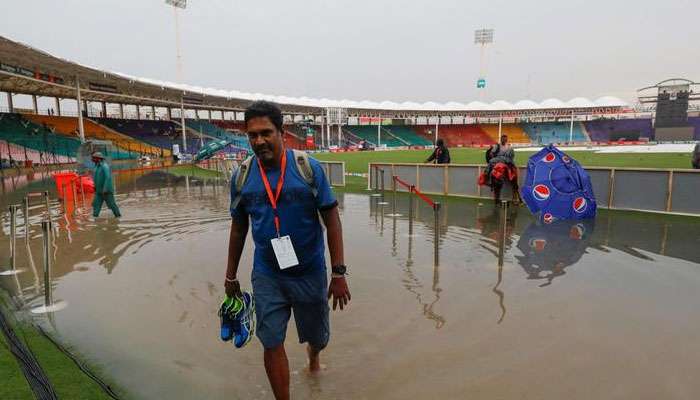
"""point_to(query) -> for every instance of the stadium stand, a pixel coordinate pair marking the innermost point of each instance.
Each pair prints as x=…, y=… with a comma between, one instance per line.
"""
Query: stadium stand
x=68, y=126
x=52, y=147
x=15, y=155
x=292, y=141
x=214, y=131
x=369, y=133
x=614, y=130
x=695, y=122
x=158, y=133
x=554, y=132
x=515, y=132
x=408, y=135
x=456, y=135
x=230, y=125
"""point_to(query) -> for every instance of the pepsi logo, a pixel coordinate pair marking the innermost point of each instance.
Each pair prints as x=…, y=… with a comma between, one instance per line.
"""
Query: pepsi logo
x=580, y=204
x=550, y=157
x=566, y=159
x=541, y=192
x=548, y=218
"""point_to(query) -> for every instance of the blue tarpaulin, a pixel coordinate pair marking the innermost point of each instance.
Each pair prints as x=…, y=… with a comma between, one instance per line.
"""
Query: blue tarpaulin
x=557, y=187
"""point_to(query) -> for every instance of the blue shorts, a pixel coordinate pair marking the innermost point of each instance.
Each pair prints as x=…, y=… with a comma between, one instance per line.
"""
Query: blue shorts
x=276, y=296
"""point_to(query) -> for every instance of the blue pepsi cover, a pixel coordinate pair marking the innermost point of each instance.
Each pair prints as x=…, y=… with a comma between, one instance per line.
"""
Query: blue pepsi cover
x=557, y=187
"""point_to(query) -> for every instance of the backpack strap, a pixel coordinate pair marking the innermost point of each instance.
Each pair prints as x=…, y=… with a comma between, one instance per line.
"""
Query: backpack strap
x=241, y=177
x=301, y=158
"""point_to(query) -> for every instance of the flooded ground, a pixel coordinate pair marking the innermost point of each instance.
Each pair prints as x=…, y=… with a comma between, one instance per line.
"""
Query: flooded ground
x=578, y=310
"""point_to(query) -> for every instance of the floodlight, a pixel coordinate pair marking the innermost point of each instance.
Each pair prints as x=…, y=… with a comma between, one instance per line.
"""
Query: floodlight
x=483, y=36
x=177, y=3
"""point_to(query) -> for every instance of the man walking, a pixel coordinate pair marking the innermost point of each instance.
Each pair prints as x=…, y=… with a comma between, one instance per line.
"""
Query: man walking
x=441, y=155
x=104, y=187
x=280, y=194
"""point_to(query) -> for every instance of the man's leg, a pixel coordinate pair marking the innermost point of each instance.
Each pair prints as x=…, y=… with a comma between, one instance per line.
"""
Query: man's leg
x=272, y=312
x=310, y=307
x=314, y=358
x=277, y=368
x=97, y=204
x=112, y=204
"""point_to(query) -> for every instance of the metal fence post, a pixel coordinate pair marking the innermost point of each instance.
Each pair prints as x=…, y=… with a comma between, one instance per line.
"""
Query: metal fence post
x=382, y=185
x=410, y=210
x=46, y=231
x=25, y=212
x=393, y=196
x=13, y=243
x=48, y=206
x=436, y=211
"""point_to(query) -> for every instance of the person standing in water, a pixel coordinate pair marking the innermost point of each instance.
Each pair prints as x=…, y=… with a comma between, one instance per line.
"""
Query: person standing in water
x=280, y=193
x=104, y=187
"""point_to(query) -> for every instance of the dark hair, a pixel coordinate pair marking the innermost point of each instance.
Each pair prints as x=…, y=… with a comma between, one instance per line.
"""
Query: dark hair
x=440, y=143
x=263, y=108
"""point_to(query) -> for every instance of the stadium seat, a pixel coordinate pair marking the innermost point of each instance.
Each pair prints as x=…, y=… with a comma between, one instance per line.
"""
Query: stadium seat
x=53, y=148
x=515, y=132
x=456, y=135
x=555, y=132
x=214, y=131
x=68, y=126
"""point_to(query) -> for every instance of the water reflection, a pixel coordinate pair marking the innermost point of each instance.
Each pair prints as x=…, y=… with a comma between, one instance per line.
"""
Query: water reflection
x=548, y=249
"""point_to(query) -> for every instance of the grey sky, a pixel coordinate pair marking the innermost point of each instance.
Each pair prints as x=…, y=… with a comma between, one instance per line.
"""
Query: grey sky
x=377, y=50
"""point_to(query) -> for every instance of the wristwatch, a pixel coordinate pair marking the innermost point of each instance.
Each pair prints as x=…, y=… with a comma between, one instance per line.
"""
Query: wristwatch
x=339, y=270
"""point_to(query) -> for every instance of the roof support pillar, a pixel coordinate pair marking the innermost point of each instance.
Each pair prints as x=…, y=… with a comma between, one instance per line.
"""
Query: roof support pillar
x=10, y=106
x=323, y=134
x=182, y=122
x=209, y=115
x=437, y=129
x=104, y=109
x=81, y=127
x=153, y=111
x=35, y=104
x=121, y=110
x=500, y=126
x=170, y=113
x=138, y=112
x=379, y=132
x=58, y=106
x=571, y=128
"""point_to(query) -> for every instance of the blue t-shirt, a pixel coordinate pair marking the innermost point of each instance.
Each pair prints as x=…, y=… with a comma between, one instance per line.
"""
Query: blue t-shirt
x=298, y=212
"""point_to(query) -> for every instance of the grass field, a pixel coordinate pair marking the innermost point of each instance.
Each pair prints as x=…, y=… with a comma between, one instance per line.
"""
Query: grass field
x=357, y=162
x=68, y=380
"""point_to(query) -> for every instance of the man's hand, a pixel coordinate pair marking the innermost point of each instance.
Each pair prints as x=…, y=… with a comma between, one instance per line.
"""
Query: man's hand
x=233, y=288
x=338, y=288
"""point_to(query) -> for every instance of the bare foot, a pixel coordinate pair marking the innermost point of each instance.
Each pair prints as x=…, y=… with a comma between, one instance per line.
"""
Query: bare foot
x=314, y=359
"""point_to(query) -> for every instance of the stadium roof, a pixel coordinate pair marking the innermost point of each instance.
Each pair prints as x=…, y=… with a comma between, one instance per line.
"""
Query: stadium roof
x=24, y=69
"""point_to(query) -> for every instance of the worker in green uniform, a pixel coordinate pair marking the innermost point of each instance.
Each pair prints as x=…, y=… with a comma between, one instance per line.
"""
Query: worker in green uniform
x=104, y=187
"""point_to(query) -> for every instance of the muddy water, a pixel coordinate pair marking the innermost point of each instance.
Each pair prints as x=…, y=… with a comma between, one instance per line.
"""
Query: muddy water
x=578, y=311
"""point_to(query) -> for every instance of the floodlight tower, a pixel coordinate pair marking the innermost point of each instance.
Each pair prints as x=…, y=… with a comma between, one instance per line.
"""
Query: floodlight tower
x=482, y=38
x=181, y=4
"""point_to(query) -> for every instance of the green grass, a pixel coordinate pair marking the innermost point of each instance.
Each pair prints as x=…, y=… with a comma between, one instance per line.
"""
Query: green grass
x=356, y=162
x=14, y=386
x=68, y=380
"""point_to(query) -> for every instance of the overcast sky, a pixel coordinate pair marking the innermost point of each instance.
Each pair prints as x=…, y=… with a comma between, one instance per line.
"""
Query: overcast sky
x=400, y=50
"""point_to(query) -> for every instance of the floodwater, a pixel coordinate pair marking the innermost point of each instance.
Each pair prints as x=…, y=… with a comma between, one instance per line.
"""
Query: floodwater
x=577, y=311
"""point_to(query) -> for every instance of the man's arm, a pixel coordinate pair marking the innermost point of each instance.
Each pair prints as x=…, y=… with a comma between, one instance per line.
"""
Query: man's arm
x=236, y=241
x=338, y=287
x=432, y=156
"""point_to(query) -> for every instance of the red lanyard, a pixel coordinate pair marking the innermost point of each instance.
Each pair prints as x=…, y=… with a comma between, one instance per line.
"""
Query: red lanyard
x=280, y=182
